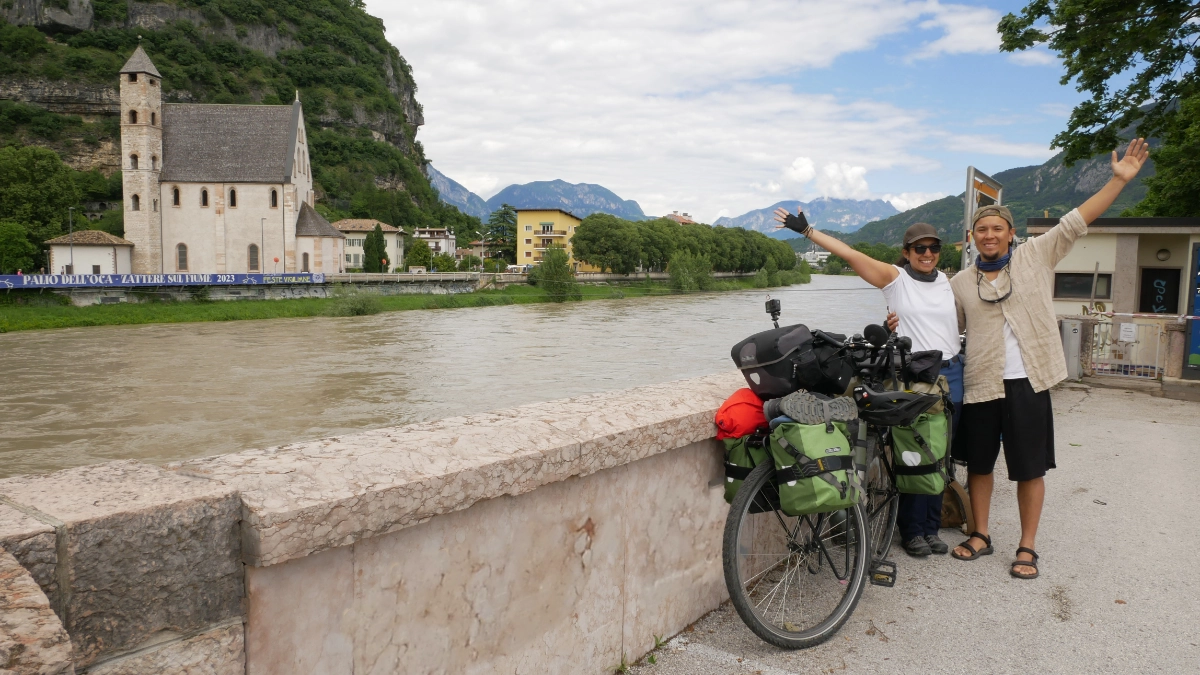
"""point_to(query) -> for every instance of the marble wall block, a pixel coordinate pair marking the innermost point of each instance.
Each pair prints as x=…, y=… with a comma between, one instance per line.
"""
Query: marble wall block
x=219, y=651
x=143, y=552
x=32, y=543
x=32, y=639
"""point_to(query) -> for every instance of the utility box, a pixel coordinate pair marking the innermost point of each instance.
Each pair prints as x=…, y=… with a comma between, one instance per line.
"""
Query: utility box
x=1072, y=332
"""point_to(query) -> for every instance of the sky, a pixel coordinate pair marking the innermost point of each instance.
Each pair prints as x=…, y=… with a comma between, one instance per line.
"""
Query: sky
x=719, y=107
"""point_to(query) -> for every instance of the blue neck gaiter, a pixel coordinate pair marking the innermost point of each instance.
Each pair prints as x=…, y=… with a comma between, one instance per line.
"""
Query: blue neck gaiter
x=993, y=265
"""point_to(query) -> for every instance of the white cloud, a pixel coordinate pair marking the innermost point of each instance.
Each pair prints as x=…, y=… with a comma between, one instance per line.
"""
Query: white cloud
x=664, y=102
x=965, y=30
x=1056, y=109
x=1034, y=57
x=801, y=170
x=843, y=181
x=911, y=200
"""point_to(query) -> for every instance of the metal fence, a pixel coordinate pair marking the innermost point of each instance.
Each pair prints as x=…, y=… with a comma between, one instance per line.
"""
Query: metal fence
x=1128, y=349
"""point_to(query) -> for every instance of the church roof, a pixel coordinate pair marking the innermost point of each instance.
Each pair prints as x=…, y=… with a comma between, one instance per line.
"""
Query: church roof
x=217, y=143
x=312, y=224
x=363, y=225
x=140, y=63
x=90, y=238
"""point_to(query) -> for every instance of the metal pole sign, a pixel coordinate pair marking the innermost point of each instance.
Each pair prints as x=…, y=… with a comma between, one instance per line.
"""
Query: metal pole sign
x=1191, y=357
x=982, y=190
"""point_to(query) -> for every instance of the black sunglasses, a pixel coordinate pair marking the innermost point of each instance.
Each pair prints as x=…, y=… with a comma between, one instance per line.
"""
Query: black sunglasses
x=992, y=301
x=921, y=248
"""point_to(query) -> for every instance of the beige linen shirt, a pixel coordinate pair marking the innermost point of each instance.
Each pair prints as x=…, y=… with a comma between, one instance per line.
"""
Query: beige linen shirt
x=1029, y=311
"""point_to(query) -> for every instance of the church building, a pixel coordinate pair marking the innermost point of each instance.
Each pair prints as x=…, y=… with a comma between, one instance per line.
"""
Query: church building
x=218, y=189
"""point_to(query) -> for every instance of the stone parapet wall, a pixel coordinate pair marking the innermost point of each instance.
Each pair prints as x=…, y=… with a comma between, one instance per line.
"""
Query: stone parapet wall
x=553, y=537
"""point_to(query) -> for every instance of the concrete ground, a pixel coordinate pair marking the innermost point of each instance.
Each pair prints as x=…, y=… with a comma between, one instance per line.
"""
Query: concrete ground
x=1119, y=590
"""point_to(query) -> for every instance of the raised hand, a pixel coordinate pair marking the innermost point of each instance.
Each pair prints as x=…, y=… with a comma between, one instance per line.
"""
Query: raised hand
x=1129, y=165
x=797, y=223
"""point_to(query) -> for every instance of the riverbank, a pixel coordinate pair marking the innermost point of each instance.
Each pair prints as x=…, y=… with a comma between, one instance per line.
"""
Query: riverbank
x=45, y=312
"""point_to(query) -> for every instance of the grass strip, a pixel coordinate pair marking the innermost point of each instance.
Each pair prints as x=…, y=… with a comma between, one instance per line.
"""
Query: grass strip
x=27, y=312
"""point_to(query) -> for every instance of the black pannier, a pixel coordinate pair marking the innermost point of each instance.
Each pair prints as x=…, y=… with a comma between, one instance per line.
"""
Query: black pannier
x=780, y=361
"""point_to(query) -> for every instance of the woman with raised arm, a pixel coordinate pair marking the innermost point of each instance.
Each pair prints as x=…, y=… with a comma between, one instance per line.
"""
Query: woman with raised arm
x=921, y=296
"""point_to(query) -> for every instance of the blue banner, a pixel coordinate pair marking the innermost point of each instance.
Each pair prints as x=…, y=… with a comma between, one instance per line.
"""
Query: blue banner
x=15, y=281
x=1191, y=362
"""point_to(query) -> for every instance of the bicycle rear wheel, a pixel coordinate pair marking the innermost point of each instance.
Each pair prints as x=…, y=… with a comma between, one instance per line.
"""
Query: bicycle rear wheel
x=882, y=501
x=793, y=580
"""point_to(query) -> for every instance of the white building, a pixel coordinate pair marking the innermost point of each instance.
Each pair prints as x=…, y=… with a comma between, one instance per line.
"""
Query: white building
x=93, y=252
x=217, y=188
x=815, y=257
x=440, y=239
x=356, y=231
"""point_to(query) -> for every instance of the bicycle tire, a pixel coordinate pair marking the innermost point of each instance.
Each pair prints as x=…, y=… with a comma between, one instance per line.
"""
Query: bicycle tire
x=760, y=556
x=882, y=501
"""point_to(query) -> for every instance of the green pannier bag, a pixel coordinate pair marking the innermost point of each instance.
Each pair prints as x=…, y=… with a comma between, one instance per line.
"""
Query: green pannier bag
x=741, y=456
x=814, y=467
x=919, y=454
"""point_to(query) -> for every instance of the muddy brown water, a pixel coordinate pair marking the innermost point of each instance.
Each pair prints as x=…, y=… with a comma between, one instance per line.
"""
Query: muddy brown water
x=166, y=392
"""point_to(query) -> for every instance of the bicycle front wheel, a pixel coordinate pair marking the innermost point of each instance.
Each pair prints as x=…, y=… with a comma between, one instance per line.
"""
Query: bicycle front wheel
x=793, y=580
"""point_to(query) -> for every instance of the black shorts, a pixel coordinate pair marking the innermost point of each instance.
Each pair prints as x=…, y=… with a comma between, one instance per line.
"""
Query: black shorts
x=1026, y=421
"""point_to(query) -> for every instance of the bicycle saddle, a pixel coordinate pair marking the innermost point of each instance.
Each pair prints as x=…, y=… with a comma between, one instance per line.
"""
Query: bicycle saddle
x=892, y=408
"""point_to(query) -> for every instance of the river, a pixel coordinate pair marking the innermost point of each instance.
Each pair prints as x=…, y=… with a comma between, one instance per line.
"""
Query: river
x=165, y=392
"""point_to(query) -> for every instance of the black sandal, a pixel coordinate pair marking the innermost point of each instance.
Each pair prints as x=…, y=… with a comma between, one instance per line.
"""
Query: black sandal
x=986, y=550
x=1025, y=563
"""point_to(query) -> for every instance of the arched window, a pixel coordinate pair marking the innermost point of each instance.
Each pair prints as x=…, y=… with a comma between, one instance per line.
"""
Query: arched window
x=153, y=118
x=304, y=263
x=133, y=117
x=135, y=203
x=274, y=199
x=252, y=258
x=233, y=198
x=153, y=162
x=203, y=197
x=133, y=164
x=154, y=205
x=174, y=196
x=181, y=257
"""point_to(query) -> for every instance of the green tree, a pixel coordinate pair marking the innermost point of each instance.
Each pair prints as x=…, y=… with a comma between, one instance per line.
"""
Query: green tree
x=1122, y=53
x=608, y=242
x=833, y=267
x=468, y=263
x=418, y=255
x=495, y=265
x=690, y=272
x=500, y=235
x=443, y=262
x=16, y=252
x=375, y=257
x=555, y=277
x=1172, y=191
x=36, y=189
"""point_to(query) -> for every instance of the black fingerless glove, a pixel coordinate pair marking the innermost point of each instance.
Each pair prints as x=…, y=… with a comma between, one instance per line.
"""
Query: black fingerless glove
x=797, y=223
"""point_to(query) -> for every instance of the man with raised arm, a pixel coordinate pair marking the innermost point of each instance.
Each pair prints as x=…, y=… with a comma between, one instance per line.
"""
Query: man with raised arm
x=1014, y=356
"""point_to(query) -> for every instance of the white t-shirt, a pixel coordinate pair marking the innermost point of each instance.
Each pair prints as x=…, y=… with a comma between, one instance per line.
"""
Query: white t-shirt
x=926, y=311
x=1014, y=365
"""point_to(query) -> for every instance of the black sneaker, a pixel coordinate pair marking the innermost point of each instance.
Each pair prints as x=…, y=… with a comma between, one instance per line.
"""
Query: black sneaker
x=917, y=547
x=936, y=545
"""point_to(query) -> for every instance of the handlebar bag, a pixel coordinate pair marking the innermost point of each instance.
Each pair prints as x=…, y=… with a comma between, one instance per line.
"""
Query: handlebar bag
x=782, y=360
x=814, y=468
x=919, y=454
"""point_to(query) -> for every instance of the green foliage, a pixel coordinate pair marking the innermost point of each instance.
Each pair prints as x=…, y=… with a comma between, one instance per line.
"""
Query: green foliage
x=555, y=276
x=1123, y=53
x=690, y=272
x=607, y=242
x=495, y=265
x=353, y=302
x=418, y=255
x=443, y=262
x=833, y=267
x=500, y=236
x=951, y=260
x=16, y=251
x=111, y=221
x=375, y=257
x=881, y=252
x=1173, y=191
x=468, y=263
x=36, y=189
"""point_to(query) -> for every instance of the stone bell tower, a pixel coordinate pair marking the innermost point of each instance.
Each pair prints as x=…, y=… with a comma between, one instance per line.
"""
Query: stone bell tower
x=141, y=161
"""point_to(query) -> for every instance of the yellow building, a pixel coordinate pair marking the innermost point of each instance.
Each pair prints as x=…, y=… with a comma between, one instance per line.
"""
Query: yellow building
x=538, y=229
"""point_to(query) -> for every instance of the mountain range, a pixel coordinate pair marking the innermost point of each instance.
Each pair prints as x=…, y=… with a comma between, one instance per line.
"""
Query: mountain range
x=842, y=215
x=581, y=199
